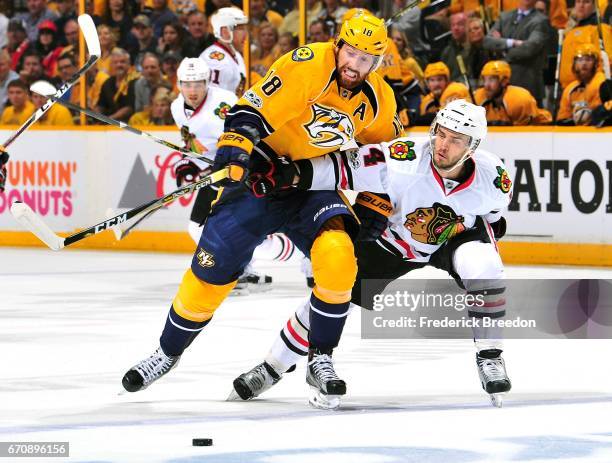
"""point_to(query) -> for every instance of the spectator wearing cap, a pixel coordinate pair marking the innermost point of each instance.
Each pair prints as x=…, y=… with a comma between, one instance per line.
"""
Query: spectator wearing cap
x=158, y=109
x=117, y=94
x=4, y=22
x=437, y=78
x=581, y=96
x=198, y=38
x=56, y=115
x=17, y=42
x=457, y=46
x=170, y=64
x=151, y=78
x=67, y=12
x=37, y=13
x=108, y=42
x=521, y=35
x=143, y=32
x=6, y=76
x=47, y=46
x=21, y=107
x=172, y=39
x=507, y=104
x=161, y=16
x=291, y=22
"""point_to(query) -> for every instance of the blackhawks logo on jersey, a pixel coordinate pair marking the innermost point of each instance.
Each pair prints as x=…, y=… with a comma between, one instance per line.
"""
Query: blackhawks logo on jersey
x=502, y=181
x=434, y=225
x=302, y=54
x=216, y=55
x=402, y=151
x=222, y=110
x=329, y=127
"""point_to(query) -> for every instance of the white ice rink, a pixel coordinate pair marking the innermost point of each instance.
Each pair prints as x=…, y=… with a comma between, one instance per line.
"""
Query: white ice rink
x=72, y=322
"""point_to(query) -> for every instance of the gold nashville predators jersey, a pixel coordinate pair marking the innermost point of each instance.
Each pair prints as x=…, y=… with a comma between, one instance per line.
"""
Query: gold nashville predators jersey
x=577, y=96
x=518, y=107
x=305, y=114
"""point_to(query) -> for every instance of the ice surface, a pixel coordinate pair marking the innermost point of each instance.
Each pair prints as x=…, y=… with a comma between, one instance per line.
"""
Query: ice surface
x=72, y=322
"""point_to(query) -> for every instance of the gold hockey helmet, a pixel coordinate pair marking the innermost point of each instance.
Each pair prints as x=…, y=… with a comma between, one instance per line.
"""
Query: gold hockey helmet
x=436, y=69
x=363, y=31
x=496, y=68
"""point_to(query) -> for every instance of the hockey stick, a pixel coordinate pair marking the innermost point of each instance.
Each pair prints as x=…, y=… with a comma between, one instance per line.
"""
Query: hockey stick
x=45, y=89
x=410, y=6
x=28, y=219
x=88, y=29
x=121, y=233
x=605, y=59
x=557, y=76
x=463, y=71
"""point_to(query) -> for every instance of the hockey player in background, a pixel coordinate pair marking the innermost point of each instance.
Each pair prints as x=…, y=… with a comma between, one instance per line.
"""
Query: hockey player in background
x=313, y=101
x=199, y=112
x=224, y=57
x=444, y=207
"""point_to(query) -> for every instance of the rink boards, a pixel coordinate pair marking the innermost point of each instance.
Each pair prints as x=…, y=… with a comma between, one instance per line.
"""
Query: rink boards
x=561, y=211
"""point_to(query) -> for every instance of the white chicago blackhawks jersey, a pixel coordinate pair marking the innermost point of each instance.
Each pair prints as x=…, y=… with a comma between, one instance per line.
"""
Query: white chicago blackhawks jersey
x=202, y=127
x=428, y=210
x=227, y=69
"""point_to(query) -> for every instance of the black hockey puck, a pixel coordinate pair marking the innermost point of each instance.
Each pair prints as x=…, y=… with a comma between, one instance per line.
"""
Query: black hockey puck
x=202, y=442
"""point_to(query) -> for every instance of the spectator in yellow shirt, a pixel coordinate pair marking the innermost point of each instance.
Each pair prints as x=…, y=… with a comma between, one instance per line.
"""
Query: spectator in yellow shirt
x=507, y=104
x=581, y=97
x=266, y=52
x=55, y=115
x=158, y=111
x=21, y=107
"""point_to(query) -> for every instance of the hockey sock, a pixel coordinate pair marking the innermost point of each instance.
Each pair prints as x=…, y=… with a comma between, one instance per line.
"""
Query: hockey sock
x=326, y=323
x=179, y=333
x=292, y=343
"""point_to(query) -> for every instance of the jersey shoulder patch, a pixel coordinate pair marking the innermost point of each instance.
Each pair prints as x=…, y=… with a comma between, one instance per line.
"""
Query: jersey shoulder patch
x=302, y=54
x=216, y=55
x=502, y=181
x=222, y=109
x=402, y=150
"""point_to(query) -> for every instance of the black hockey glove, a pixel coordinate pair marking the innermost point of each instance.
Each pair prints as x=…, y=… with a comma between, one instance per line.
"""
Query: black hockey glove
x=235, y=148
x=373, y=211
x=272, y=177
x=186, y=171
x=4, y=157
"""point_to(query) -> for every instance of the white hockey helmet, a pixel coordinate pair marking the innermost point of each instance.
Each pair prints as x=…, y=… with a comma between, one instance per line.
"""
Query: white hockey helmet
x=229, y=17
x=193, y=70
x=465, y=118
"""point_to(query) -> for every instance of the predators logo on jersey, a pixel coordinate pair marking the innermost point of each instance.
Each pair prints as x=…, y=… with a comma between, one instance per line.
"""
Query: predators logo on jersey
x=402, y=151
x=302, y=54
x=502, y=181
x=434, y=225
x=329, y=127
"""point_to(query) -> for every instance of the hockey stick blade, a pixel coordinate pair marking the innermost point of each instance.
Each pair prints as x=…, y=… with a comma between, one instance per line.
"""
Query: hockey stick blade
x=29, y=220
x=90, y=34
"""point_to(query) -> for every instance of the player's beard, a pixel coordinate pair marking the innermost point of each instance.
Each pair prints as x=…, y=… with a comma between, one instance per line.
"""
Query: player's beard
x=348, y=83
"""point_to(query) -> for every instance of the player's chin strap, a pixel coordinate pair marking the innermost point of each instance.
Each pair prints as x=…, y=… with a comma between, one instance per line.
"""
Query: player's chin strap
x=459, y=163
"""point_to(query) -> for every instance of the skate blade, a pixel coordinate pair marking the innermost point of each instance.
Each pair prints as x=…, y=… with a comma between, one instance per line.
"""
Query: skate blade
x=497, y=400
x=257, y=288
x=323, y=402
x=240, y=292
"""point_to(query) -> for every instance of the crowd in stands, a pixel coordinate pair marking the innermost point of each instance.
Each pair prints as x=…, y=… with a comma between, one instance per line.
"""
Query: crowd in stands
x=501, y=54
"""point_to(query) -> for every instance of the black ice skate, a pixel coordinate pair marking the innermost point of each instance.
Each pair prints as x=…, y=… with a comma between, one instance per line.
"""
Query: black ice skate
x=252, y=282
x=493, y=376
x=325, y=386
x=141, y=376
x=254, y=382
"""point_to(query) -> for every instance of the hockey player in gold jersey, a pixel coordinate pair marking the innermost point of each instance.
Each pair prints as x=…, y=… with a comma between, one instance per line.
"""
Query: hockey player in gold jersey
x=507, y=104
x=581, y=97
x=313, y=100
x=441, y=91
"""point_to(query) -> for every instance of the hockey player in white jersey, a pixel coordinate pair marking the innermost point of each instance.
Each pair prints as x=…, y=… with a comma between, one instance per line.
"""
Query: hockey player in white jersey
x=199, y=112
x=223, y=57
x=444, y=208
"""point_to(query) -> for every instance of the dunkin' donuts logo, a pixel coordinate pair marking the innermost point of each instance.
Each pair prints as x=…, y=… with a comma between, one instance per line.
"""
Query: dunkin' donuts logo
x=45, y=186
